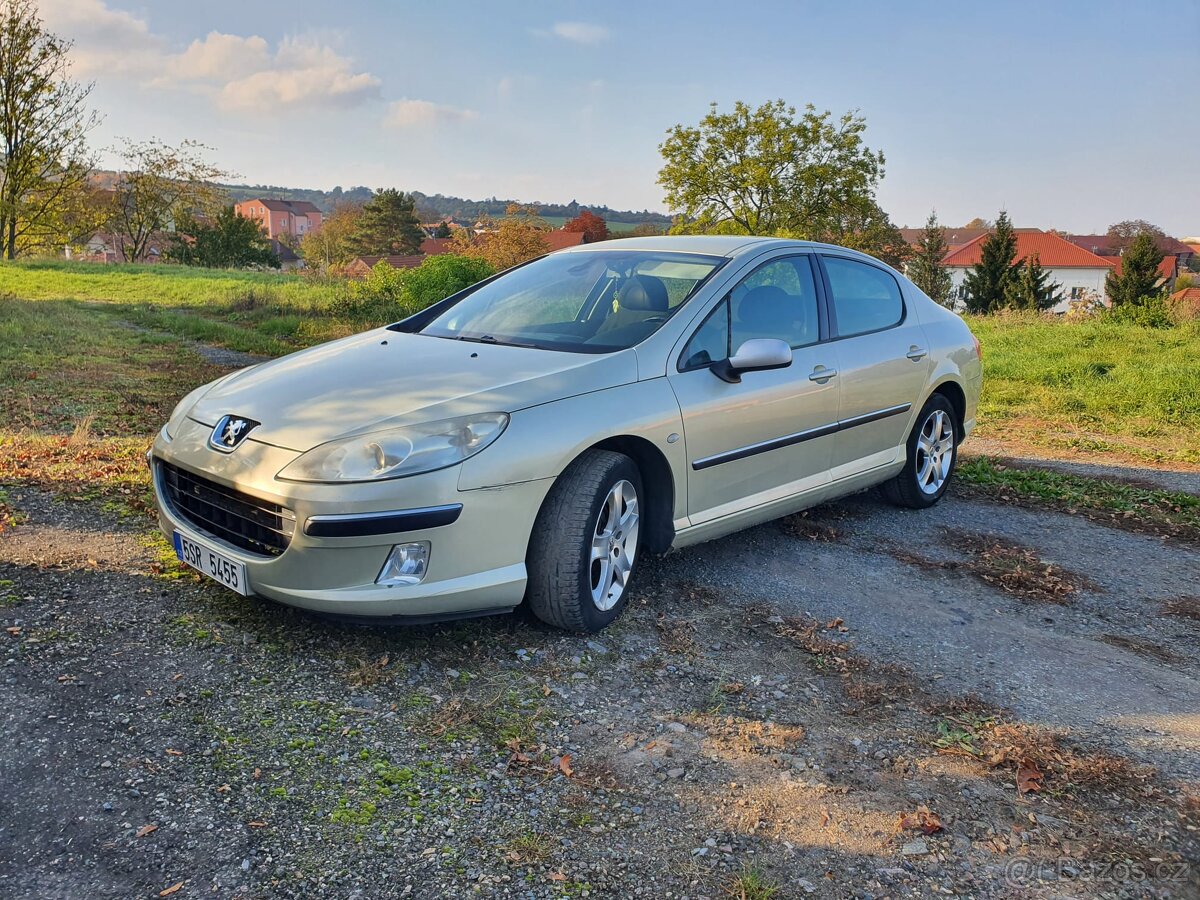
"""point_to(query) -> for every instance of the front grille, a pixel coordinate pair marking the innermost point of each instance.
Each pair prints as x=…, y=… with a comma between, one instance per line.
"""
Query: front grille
x=253, y=525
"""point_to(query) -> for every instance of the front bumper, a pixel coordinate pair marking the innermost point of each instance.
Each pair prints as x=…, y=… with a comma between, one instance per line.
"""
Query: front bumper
x=476, y=563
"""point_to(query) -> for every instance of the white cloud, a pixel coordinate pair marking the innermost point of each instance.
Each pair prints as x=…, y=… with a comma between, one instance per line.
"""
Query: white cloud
x=580, y=32
x=423, y=114
x=241, y=72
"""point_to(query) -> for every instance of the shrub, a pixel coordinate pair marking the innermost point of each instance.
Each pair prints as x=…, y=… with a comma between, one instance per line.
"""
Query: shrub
x=1149, y=312
x=389, y=294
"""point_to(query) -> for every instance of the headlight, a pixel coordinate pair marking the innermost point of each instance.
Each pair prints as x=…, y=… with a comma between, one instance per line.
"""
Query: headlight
x=397, y=452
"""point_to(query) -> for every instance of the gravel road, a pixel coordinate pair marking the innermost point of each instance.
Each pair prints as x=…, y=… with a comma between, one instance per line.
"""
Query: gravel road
x=162, y=732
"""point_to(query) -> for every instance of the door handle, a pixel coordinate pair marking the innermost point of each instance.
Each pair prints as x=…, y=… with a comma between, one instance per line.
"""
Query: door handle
x=821, y=375
x=916, y=354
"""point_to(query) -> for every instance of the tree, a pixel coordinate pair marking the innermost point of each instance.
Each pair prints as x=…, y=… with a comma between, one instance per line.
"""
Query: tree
x=926, y=269
x=593, y=227
x=388, y=225
x=986, y=284
x=443, y=230
x=332, y=245
x=1124, y=232
x=228, y=241
x=765, y=171
x=518, y=237
x=1030, y=287
x=977, y=222
x=160, y=185
x=44, y=123
x=1138, y=281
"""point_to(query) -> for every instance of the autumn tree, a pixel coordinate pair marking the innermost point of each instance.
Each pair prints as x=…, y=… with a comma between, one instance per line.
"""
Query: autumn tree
x=388, y=225
x=771, y=170
x=978, y=222
x=44, y=123
x=227, y=241
x=987, y=283
x=443, y=230
x=594, y=227
x=1030, y=287
x=1139, y=276
x=158, y=186
x=516, y=238
x=925, y=266
x=332, y=245
x=1124, y=232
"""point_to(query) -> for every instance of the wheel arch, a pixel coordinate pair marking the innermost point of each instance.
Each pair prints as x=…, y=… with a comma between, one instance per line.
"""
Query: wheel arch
x=658, y=482
x=953, y=392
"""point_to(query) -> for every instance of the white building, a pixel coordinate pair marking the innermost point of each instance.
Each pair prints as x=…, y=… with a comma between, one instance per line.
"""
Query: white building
x=1075, y=269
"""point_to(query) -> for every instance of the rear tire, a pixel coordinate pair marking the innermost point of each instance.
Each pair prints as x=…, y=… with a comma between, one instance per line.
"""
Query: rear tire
x=585, y=545
x=932, y=452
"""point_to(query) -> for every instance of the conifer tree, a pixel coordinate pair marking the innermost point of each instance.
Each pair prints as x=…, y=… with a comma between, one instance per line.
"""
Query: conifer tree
x=1139, y=273
x=1031, y=288
x=987, y=282
x=388, y=225
x=926, y=269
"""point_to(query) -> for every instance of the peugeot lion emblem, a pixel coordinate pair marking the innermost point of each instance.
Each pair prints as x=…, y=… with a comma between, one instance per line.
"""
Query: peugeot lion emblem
x=230, y=432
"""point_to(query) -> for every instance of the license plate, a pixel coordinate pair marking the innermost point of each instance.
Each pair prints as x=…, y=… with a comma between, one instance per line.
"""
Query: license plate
x=211, y=562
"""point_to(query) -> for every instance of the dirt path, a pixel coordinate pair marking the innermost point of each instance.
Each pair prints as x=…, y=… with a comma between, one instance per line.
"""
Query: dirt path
x=789, y=704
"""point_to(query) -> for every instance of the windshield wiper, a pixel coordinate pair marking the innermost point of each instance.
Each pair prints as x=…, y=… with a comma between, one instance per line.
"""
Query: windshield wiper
x=490, y=339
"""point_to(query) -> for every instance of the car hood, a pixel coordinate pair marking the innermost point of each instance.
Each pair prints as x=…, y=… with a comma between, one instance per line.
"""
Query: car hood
x=383, y=378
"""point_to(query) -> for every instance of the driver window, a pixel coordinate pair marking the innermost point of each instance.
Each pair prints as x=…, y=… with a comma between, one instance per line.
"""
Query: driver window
x=777, y=300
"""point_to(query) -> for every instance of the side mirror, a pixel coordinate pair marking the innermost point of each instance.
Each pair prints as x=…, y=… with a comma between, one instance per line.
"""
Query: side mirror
x=754, y=356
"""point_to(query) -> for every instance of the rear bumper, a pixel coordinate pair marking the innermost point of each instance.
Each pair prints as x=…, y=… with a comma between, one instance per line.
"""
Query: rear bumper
x=338, y=547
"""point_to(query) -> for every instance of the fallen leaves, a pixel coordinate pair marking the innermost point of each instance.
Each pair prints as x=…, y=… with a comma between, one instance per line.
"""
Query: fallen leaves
x=145, y=830
x=564, y=765
x=1029, y=777
x=923, y=820
x=167, y=892
x=171, y=752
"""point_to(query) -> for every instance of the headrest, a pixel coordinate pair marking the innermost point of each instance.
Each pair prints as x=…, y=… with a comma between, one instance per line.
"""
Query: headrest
x=765, y=308
x=643, y=292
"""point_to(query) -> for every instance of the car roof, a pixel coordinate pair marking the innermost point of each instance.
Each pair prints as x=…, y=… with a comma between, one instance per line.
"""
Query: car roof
x=710, y=244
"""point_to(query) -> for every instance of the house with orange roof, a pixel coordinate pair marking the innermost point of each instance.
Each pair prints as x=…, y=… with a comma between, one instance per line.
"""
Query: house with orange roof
x=294, y=218
x=1074, y=268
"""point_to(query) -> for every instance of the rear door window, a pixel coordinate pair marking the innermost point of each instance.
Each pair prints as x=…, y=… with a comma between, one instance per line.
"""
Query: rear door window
x=864, y=298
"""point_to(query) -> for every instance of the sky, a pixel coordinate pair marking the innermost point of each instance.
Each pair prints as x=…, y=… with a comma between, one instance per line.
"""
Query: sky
x=1069, y=115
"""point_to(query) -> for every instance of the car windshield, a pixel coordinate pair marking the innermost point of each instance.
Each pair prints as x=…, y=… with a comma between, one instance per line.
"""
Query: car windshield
x=593, y=301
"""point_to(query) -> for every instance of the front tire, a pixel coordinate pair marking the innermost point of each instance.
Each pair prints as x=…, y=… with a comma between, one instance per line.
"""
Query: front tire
x=585, y=544
x=932, y=451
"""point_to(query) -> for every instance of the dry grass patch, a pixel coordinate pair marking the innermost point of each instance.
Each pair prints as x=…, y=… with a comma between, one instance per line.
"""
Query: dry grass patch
x=735, y=736
x=80, y=467
x=1183, y=608
x=1039, y=759
x=1141, y=647
x=1007, y=565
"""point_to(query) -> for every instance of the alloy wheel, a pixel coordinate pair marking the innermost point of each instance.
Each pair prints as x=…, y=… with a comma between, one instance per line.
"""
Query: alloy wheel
x=614, y=545
x=935, y=452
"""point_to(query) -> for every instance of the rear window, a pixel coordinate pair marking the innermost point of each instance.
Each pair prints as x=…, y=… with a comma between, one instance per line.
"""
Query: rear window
x=865, y=298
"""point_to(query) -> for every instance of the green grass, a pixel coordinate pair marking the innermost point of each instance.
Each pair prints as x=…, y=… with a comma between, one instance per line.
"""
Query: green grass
x=1096, y=386
x=65, y=363
x=257, y=312
x=1128, y=505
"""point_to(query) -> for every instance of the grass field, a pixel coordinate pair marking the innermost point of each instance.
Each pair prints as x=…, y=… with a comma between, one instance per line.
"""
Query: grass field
x=1092, y=388
x=67, y=350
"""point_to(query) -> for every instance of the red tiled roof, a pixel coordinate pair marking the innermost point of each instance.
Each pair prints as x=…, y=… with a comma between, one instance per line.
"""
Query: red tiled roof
x=955, y=237
x=559, y=240
x=1166, y=269
x=1052, y=251
x=1189, y=295
x=435, y=246
x=363, y=263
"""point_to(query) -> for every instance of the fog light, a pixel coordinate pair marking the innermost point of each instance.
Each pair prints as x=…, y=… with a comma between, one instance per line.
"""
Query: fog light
x=406, y=564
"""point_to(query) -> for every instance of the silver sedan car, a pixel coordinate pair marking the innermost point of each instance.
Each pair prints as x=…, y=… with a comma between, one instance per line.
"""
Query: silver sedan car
x=531, y=438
